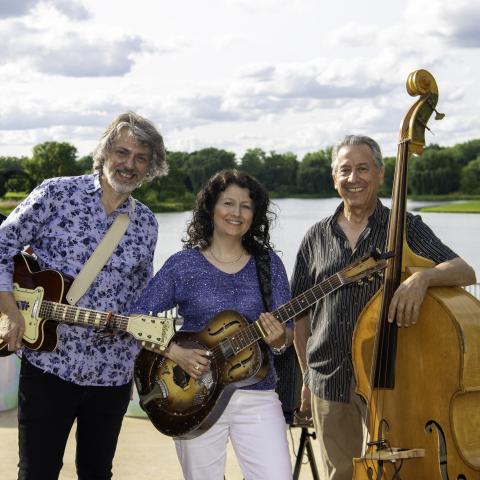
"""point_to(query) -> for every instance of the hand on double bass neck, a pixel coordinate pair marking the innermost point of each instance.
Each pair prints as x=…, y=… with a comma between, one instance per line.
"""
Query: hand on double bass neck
x=408, y=298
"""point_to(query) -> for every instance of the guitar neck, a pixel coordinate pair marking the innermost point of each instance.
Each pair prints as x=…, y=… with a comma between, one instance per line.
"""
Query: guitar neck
x=71, y=314
x=254, y=332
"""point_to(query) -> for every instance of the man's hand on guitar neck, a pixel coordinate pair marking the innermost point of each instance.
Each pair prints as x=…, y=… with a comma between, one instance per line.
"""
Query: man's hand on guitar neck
x=12, y=323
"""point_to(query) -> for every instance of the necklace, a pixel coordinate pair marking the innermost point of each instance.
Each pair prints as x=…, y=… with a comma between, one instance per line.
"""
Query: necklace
x=226, y=261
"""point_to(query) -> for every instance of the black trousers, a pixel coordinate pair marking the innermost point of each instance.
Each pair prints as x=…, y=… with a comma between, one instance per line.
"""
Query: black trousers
x=47, y=408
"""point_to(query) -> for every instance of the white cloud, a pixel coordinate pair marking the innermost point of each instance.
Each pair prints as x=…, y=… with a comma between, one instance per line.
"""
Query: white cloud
x=69, y=52
x=456, y=23
x=16, y=8
x=19, y=8
x=279, y=74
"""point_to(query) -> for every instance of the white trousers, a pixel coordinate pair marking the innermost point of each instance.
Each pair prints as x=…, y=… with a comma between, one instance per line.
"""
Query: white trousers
x=255, y=424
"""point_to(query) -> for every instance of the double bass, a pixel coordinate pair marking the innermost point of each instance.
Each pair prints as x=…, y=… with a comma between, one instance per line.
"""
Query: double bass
x=421, y=384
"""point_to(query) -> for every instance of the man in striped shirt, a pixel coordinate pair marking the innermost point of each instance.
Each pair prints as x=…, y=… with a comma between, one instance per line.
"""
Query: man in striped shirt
x=323, y=336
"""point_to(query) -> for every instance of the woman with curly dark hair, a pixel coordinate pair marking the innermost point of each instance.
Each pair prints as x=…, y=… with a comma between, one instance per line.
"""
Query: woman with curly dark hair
x=217, y=271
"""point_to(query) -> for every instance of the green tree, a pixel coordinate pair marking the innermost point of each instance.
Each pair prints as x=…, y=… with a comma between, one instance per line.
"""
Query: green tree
x=52, y=159
x=315, y=173
x=280, y=172
x=464, y=153
x=85, y=165
x=470, y=177
x=389, y=168
x=13, y=175
x=172, y=188
x=253, y=162
x=202, y=164
x=435, y=172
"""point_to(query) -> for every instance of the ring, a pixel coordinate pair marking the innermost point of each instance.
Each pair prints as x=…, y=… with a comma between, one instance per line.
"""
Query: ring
x=197, y=367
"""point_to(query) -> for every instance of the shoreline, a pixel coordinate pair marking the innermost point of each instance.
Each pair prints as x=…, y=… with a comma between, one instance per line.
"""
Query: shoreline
x=451, y=205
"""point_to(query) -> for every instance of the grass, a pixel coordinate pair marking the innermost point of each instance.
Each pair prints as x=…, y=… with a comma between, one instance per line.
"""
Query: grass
x=472, y=206
x=17, y=196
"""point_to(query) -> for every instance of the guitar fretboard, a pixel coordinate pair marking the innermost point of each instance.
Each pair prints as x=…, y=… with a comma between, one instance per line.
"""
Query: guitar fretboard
x=250, y=334
x=60, y=312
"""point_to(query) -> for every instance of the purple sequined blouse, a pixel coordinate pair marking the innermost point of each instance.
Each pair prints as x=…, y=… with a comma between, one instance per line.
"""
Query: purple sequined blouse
x=201, y=290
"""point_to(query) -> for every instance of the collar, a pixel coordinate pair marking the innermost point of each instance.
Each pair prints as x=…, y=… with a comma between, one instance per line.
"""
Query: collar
x=380, y=214
x=94, y=185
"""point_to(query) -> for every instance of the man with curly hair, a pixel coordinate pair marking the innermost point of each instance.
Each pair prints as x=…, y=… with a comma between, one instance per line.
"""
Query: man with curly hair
x=87, y=378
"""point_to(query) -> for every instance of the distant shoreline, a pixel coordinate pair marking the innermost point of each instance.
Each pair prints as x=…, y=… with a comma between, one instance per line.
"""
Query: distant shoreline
x=453, y=205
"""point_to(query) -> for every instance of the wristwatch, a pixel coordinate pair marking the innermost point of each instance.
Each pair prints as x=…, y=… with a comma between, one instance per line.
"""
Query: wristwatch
x=279, y=350
x=282, y=348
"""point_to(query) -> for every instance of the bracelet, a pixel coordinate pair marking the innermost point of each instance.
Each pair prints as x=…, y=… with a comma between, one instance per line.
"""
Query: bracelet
x=279, y=350
x=282, y=348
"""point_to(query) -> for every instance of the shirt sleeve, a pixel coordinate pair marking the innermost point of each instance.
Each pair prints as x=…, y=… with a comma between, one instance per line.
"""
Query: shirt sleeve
x=425, y=243
x=20, y=228
x=145, y=272
x=301, y=277
x=280, y=287
x=159, y=295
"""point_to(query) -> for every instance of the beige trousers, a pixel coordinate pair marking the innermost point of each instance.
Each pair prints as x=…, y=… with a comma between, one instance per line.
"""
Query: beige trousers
x=341, y=433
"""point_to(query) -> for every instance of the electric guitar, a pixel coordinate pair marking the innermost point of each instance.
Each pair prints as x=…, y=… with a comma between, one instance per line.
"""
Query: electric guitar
x=40, y=297
x=181, y=407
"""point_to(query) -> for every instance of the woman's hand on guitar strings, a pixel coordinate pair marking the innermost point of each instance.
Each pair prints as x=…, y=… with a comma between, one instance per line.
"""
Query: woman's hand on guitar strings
x=194, y=361
x=276, y=332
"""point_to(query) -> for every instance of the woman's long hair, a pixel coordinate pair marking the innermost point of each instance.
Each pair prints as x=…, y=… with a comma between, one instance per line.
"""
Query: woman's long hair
x=200, y=228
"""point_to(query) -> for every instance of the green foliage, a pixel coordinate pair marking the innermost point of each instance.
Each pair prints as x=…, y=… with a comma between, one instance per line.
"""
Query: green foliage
x=52, y=159
x=84, y=165
x=439, y=171
x=470, y=177
x=472, y=206
x=253, y=162
x=315, y=173
x=202, y=164
x=280, y=172
x=13, y=177
x=434, y=172
x=389, y=169
x=3, y=188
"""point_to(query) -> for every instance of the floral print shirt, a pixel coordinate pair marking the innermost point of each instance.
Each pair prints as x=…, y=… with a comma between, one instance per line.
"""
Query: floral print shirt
x=63, y=220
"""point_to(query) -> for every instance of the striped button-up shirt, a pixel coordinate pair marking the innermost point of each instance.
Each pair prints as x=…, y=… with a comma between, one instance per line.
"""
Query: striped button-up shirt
x=324, y=251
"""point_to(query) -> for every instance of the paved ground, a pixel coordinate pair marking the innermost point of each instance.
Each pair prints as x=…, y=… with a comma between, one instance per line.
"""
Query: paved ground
x=142, y=454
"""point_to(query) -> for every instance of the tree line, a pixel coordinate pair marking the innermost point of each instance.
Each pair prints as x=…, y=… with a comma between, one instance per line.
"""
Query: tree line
x=438, y=171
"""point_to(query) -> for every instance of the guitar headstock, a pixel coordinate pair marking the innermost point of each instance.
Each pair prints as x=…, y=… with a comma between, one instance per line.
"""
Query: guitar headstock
x=153, y=332
x=367, y=266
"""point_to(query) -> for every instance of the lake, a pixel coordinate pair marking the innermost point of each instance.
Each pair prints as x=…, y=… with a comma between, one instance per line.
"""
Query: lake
x=461, y=232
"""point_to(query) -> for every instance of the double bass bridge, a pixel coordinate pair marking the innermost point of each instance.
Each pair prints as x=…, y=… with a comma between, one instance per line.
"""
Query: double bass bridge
x=392, y=454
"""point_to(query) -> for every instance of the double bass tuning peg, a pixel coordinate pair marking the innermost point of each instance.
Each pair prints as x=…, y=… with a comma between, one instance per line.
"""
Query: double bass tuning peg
x=438, y=115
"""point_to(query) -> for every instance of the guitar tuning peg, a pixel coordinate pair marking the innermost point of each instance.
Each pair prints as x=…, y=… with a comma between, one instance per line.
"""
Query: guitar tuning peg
x=370, y=278
x=360, y=282
x=151, y=313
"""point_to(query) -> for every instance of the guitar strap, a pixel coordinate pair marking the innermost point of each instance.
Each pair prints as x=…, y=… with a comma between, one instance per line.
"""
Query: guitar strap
x=262, y=262
x=100, y=256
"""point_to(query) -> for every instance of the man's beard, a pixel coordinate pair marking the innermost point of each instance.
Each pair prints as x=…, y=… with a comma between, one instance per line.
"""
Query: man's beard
x=120, y=187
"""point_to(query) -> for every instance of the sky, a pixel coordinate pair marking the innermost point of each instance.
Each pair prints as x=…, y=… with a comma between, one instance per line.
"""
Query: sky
x=282, y=75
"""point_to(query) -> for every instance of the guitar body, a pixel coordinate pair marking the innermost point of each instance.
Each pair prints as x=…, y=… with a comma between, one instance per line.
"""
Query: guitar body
x=182, y=407
x=40, y=334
